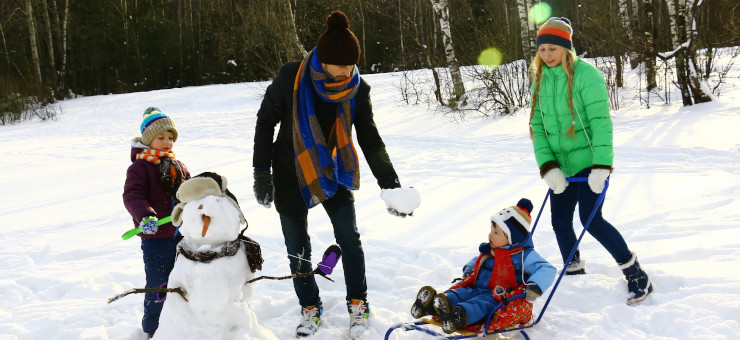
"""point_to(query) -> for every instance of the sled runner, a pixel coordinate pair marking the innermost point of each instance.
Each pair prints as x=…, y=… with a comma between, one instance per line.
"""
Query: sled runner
x=482, y=329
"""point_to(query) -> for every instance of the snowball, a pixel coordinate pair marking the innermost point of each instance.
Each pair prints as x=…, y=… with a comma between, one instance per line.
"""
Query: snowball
x=403, y=200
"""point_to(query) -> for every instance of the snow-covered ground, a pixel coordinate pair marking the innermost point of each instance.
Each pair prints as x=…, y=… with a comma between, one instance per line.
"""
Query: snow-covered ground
x=674, y=196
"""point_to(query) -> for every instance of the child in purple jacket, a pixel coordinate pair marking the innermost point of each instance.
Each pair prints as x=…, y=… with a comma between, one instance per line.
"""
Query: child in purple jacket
x=149, y=195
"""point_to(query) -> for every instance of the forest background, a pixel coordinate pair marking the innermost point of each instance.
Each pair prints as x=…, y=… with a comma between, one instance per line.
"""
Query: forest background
x=57, y=49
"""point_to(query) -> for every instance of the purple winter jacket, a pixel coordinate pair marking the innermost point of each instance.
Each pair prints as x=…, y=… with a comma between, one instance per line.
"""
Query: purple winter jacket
x=144, y=196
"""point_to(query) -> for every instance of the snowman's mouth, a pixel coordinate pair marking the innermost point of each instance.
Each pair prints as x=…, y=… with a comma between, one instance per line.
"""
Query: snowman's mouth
x=206, y=222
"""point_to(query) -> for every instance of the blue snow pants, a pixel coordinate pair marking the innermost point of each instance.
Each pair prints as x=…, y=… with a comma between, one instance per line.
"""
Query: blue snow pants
x=562, y=208
x=159, y=259
x=297, y=241
x=478, y=302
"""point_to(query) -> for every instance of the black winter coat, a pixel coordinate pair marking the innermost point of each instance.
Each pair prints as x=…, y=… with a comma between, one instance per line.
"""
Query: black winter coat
x=276, y=108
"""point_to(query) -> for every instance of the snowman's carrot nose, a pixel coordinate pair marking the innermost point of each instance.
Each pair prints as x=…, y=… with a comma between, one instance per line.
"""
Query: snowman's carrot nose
x=206, y=222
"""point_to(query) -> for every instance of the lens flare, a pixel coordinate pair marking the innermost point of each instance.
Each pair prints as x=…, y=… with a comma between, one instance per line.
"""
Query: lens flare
x=540, y=12
x=490, y=57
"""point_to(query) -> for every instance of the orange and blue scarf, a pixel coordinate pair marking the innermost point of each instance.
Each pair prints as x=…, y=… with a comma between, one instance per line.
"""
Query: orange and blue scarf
x=169, y=169
x=323, y=164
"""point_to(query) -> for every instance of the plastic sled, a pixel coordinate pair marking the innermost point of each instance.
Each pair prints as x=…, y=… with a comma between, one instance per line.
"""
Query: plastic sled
x=481, y=330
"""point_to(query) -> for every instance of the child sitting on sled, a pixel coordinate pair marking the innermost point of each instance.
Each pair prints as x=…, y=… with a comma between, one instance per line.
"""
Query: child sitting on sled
x=506, y=266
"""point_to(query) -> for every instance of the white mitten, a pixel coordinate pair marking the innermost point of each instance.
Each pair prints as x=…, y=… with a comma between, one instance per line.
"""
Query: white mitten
x=597, y=179
x=555, y=179
x=401, y=201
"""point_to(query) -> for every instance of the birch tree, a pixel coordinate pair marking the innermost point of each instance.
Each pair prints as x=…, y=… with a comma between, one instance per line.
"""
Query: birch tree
x=362, y=25
x=648, y=50
x=683, y=39
x=32, y=38
x=400, y=30
x=49, y=40
x=293, y=36
x=699, y=91
x=677, y=17
x=62, y=74
x=529, y=43
x=617, y=50
x=626, y=9
x=441, y=8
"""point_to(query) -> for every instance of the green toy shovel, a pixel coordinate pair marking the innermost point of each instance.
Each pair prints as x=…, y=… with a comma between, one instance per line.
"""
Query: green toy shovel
x=133, y=232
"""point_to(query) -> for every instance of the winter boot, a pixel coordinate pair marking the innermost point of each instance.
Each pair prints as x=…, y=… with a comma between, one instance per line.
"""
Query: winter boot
x=452, y=318
x=359, y=314
x=638, y=282
x=576, y=265
x=310, y=321
x=423, y=305
x=459, y=317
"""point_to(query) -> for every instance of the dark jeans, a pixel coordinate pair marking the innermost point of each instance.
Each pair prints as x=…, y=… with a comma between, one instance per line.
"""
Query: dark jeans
x=159, y=259
x=297, y=241
x=563, y=206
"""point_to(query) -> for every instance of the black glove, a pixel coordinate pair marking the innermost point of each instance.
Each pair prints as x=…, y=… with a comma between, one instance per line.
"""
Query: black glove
x=263, y=190
x=533, y=291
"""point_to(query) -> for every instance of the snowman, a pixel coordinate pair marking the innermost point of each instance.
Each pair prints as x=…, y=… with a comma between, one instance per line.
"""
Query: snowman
x=213, y=264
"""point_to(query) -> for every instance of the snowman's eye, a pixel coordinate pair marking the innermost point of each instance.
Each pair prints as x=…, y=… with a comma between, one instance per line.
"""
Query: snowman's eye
x=200, y=207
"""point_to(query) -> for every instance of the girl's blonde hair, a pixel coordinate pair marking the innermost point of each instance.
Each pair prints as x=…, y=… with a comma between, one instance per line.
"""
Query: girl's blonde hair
x=535, y=74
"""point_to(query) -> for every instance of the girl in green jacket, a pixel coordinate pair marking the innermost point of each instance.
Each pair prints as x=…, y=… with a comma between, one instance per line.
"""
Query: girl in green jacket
x=571, y=132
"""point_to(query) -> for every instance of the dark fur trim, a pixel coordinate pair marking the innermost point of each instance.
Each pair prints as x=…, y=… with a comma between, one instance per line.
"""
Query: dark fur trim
x=229, y=249
x=548, y=166
x=608, y=167
x=254, y=251
x=251, y=248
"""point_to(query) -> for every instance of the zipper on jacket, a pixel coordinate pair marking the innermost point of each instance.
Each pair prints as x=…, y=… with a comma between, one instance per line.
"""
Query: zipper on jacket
x=554, y=81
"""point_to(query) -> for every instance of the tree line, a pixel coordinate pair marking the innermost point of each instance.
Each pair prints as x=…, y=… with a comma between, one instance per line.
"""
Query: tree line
x=55, y=49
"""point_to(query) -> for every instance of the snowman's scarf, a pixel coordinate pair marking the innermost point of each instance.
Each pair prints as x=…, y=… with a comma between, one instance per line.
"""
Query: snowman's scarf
x=251, y=248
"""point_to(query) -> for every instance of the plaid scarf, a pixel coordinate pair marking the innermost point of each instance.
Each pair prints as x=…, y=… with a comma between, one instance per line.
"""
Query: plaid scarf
x=323, y=164
x=171, y=173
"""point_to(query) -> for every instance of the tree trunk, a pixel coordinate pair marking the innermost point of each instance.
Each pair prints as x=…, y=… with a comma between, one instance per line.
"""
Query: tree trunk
x=442, y=10
x=400, y=30
x=699, y=92
x=617, y=51
x=297, y=46
x=362, y=23
x=34, y=47
x=649, y=47
x=527, y=51
x=677, y=12
x=619, y=70
x=635, y=31
x=63, y=72
x=625, y=15
x=55, y=16
x=50, y=41
x=427, y=56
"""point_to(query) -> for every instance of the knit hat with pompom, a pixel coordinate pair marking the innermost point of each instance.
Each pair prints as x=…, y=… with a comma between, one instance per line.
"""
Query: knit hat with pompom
x=338, y=45
x=514, y=221
x=154, y=123
x=556, y=31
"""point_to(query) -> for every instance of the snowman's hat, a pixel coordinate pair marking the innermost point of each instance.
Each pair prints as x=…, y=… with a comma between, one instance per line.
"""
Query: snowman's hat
x=202, y=185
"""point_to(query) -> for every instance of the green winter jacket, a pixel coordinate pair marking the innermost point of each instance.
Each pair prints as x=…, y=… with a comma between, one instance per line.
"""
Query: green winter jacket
x=552, y=119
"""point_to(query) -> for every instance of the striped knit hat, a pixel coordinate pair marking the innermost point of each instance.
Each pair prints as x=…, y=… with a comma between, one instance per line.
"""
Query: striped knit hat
x=154, y=123
x=514, y=221
x=556, y=31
